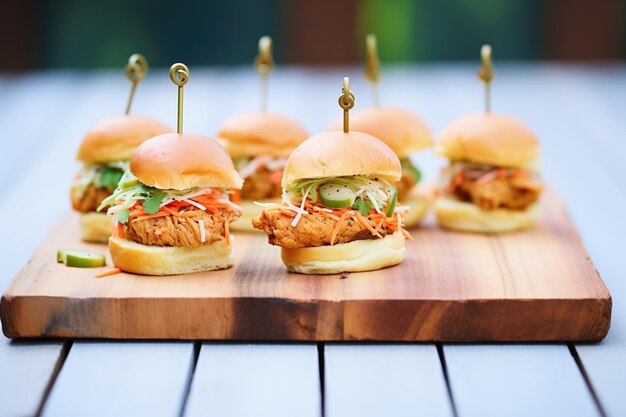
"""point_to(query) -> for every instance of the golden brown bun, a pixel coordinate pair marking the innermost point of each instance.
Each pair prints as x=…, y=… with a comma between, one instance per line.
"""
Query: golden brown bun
x=95, y=227
x=418, y=207
x=338, y=154
x=169, y=260
x=249, y=211
x=182, y=161
x=359, y=255
x=489, y=138
x=116, y=138
x=467, y=217
x=402, y=130
x=261, y=133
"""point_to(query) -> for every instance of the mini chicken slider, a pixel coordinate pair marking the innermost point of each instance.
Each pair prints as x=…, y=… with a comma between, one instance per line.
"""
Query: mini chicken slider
x=340, y=209
x=104, y=154
x=404, y=132
x=171, y=211
x=492, y=184
x=259, y=143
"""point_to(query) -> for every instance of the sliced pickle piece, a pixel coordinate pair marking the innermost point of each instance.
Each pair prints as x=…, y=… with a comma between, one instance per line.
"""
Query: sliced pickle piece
x=80, y=258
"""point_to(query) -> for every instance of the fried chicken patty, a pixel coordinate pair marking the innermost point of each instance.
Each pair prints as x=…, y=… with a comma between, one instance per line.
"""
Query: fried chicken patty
x=260, y=185
x=495, y=188
x=178, y=230
x=406, y=183
x=313, y=229
x=89, y=199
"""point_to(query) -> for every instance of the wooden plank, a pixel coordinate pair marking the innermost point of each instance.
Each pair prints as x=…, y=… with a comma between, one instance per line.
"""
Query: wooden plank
x=26, y=369
x=537, y=285
x=259, y=380
x=377, y=380
x=520, y=380
x=121, y=379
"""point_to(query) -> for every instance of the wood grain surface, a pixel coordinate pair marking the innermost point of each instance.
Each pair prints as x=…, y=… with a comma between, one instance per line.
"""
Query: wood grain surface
x=533, y=286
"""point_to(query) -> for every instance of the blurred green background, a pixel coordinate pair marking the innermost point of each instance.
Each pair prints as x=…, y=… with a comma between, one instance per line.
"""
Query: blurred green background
x=86, y=34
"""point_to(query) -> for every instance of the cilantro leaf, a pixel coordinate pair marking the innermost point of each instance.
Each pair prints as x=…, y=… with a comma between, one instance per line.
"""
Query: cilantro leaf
x=407, y=165
x=123, y=216
x=108, y=178
x=152, y=204
x=362, y=206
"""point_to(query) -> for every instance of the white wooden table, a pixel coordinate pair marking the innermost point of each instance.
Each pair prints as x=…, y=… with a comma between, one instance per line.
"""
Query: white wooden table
x=578, y=112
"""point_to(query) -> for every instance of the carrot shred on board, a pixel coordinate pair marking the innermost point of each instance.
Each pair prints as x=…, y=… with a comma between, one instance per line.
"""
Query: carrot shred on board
x=108, y=273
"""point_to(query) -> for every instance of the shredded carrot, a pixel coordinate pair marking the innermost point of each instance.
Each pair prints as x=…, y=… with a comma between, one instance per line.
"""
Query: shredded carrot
x=108, y=273
x=227, y=233
x=170, y=211
x=337, y=227
x=236, y=196
x=520, y=173
x=152, y=216
x=406, y=234
x=380, y=223
x=191, y=213
x=120, y=230
x=365, y=223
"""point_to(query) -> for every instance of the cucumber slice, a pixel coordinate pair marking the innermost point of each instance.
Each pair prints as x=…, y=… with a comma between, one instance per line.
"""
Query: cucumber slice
x=80, y=258
x=336, y=195
x=393, y=199
x=407, y=165
x=128, y=180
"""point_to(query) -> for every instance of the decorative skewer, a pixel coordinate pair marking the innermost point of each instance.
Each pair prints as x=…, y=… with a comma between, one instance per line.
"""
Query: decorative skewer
x=346, y=102
x=486, y=74
x=372, y=67
x=135, y=70
x=179, y=74
x=264, y=65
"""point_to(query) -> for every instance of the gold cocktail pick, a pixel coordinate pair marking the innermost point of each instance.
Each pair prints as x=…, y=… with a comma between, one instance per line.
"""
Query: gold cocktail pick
x=372, y=67
x=135, y=70
x=486, y=74
x=264, y=65
x=346, y=102
x=179, y=74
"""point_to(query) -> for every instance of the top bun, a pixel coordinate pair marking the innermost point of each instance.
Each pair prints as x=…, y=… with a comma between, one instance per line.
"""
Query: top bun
x=116, y=138
x=489, y=138
x=260, y=133
x=402, y=130
x=181, y=161
x=338, y=154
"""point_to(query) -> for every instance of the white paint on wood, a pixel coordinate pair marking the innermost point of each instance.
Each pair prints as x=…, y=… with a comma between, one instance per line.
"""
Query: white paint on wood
x=25, y=370
x=384, y=380
x=121, y=379
x=256, y=380
x=517, y=380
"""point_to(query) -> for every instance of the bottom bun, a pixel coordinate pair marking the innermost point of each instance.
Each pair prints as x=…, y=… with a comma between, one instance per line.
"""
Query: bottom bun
x=169, y=260
x=249, y=211
x=95, y=227
x=467, y=217
x=418, y=206
x=359, y=255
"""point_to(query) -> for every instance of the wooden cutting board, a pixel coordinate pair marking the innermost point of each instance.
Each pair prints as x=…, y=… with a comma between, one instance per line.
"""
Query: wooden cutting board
x=532, y=286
